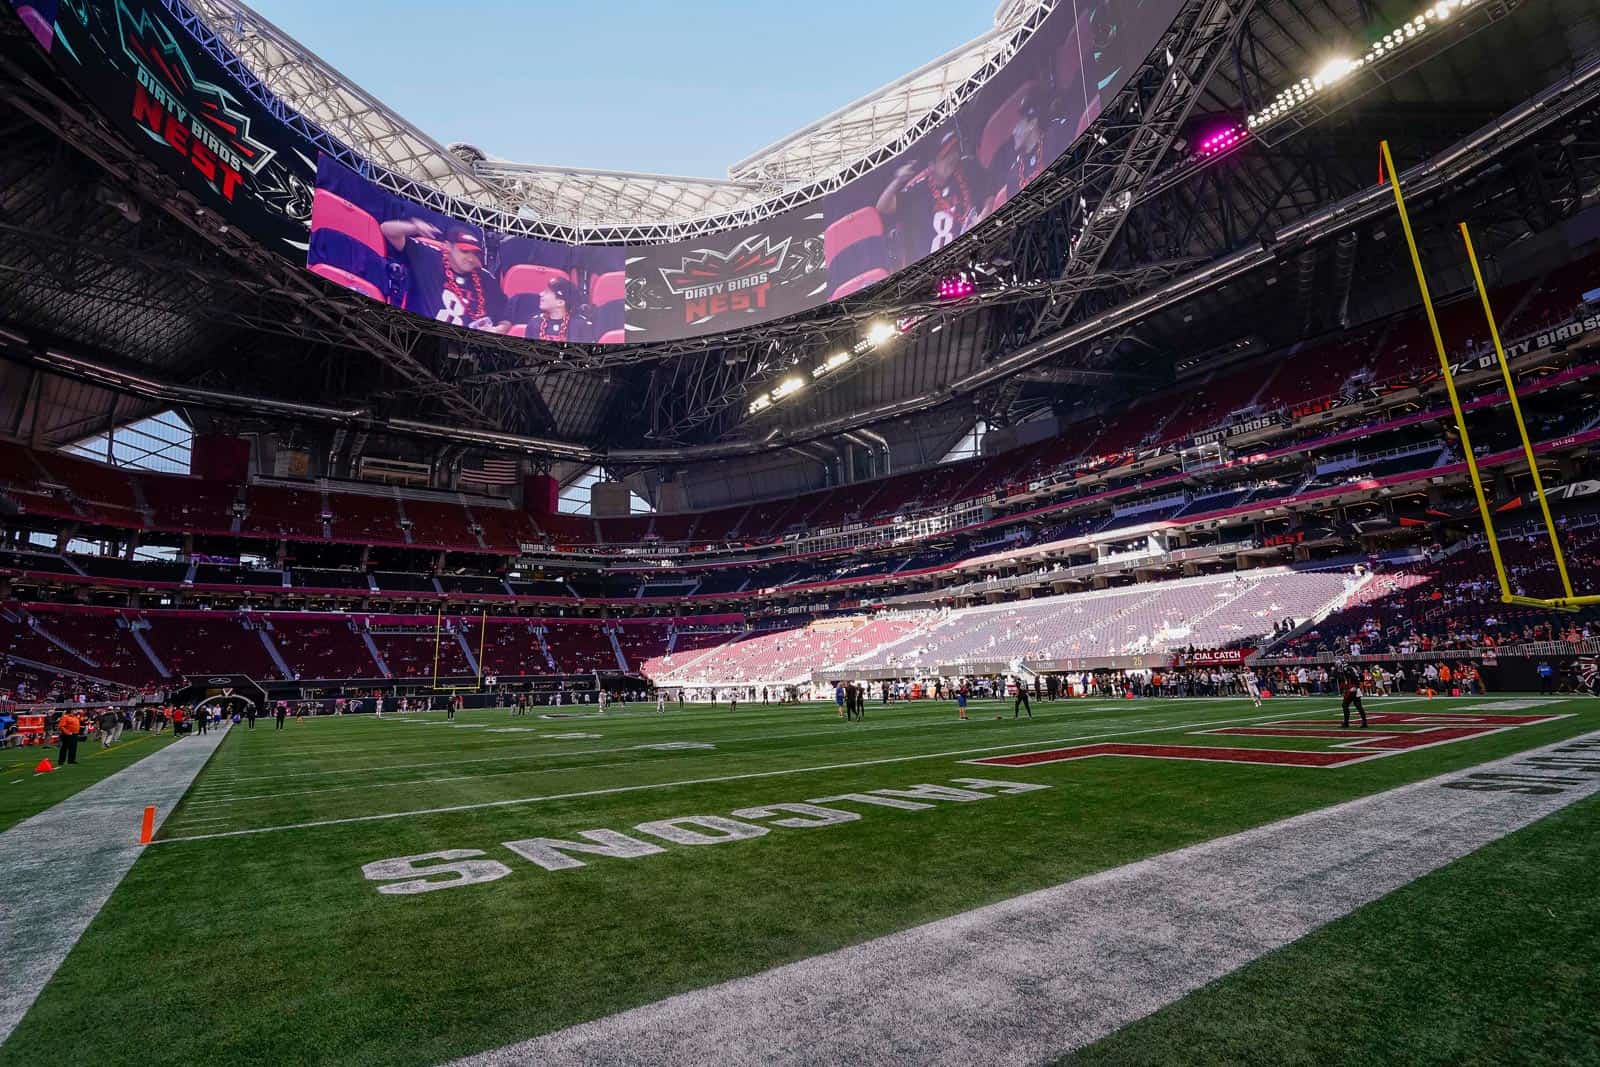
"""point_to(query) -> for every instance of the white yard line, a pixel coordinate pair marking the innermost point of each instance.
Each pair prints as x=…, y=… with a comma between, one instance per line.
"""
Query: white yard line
x=480, y=805
x=345, y=771
x=212, y=801
x=1034, y=978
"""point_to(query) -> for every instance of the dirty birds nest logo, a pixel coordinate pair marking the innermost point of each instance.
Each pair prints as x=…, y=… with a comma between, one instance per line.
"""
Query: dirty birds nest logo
x=712, y=283
x=199, y=120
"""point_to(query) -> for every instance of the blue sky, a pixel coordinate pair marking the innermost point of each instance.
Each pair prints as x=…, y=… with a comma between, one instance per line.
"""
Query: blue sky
x=654, y=85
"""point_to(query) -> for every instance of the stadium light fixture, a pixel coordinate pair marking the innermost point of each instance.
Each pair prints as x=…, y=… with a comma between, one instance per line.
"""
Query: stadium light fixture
x=881, y=333
x=1338, y=69
x=832, y=363
x=787, y=387
x=760, y=404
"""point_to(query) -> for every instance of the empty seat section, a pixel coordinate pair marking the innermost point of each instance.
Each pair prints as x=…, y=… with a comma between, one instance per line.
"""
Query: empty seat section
x=321, y=646
x=505, y=529
x=179, y=503
x=579, y=648
x=439, y=525
x=365, y=518
x=193, y=643
x=277, y=511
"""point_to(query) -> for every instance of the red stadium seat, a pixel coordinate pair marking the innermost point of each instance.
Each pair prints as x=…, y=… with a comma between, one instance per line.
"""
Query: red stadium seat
x=998, y=129
x=343, y=278
x=858, y=283
x=614, y=337
x=529, y=278
x=329, y=211
x=608, y=288
x=855, y=227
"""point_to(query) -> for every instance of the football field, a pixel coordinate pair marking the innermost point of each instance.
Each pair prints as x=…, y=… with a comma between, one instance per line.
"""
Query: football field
x=413, y=891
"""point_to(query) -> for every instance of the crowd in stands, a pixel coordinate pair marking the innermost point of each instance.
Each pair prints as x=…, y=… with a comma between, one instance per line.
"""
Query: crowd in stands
x=1451, y=601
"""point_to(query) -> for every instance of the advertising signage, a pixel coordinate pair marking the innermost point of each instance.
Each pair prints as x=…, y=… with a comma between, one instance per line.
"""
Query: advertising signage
x=142, y=68
x=171, y=98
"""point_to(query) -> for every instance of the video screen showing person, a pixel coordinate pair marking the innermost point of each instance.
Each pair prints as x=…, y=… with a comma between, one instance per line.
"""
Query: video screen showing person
x=388, y=248
x=1002, y=139
x=925, y=207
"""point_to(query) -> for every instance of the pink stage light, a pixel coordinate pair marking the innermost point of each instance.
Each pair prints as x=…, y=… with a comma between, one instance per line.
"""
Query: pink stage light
x=1220, y=141
x=956, y=287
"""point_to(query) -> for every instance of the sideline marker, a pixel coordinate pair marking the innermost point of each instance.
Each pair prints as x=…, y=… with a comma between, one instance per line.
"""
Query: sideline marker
x=148, y=829
x=43, y=766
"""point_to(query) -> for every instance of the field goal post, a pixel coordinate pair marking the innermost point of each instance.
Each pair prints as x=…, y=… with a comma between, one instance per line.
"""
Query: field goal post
x=1569, y=601
x=483, y=630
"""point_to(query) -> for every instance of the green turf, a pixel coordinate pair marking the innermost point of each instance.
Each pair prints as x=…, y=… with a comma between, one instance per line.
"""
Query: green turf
x=24, y=793
x=1490, y=960
x=272, y=947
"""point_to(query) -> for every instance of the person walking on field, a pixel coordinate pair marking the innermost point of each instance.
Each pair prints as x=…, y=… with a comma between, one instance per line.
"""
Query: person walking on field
x=250, y=713
x=283, y=713
x=961, y=703
x=1350, y=680
x=110, y=724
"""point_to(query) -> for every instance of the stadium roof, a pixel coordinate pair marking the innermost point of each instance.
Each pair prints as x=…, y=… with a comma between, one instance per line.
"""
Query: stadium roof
x=106, y=260
x=602, y=200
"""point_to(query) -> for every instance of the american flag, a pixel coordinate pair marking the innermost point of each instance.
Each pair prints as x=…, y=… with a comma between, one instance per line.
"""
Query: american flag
x=490, y=471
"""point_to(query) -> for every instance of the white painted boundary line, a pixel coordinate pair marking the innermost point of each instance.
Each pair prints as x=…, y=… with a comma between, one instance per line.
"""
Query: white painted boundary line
x=61, y=866
x=481, y=805
x=1039, y=976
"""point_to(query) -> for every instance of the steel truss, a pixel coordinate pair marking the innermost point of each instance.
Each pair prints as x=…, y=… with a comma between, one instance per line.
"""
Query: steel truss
x=364, y=331
x=830, y=327
x=1113, y=175
x=283, y=76
x=1111, y=164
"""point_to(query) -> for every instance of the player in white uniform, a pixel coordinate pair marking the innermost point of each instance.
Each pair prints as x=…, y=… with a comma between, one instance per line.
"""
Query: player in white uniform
x=661, y=701
x=1252, y=685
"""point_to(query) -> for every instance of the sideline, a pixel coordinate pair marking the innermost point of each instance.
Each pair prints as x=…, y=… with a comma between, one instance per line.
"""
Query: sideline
x=63, y=864
x=1036, y=977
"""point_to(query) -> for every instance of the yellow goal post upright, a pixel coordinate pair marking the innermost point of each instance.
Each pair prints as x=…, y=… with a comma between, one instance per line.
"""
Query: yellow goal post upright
x=1569, y=601
x=438, y=628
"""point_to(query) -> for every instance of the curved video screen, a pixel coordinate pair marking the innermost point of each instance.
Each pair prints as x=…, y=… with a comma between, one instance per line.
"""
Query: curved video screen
x=252, y=158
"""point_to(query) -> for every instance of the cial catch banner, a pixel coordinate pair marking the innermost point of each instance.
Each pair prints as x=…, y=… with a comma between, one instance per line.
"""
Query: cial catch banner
x=250, y=156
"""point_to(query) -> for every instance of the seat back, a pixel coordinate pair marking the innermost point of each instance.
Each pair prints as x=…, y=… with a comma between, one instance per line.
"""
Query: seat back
x=329, y=211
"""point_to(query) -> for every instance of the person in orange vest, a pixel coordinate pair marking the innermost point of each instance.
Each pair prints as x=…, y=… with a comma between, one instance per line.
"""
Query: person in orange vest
x=71, y=728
